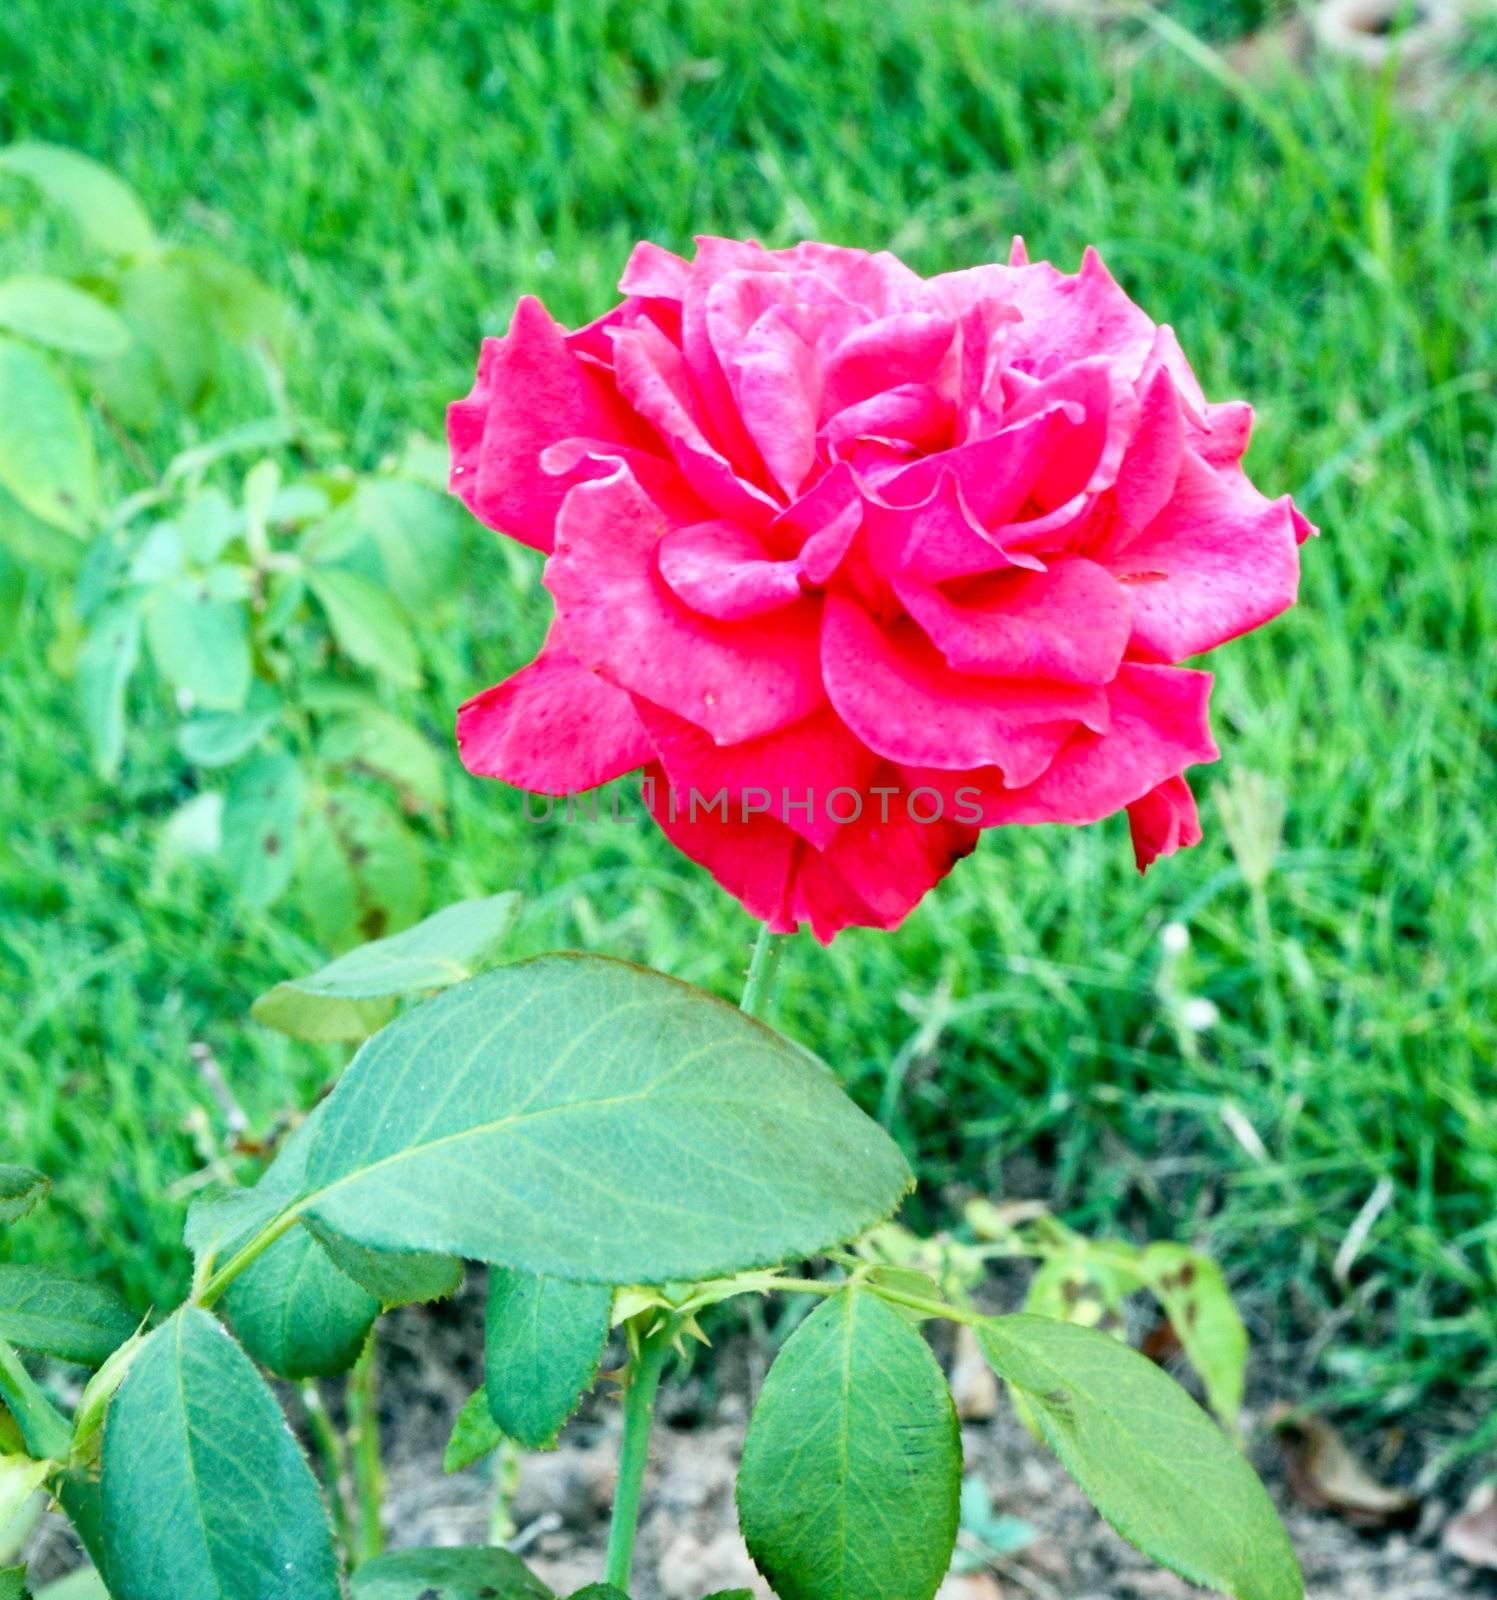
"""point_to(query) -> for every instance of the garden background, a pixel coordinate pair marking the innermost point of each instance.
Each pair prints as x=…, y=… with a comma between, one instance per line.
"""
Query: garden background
x=1320, y=235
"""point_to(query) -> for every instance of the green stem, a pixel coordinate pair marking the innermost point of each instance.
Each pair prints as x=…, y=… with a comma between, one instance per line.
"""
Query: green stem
x=207, y=1293
x=368, y=1472
x=914, y=1302
x=334, y=1458
x=639, y=1413
x=758, y=990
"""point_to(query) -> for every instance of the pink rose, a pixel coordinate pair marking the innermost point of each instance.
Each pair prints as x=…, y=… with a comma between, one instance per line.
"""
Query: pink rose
x=856, y=563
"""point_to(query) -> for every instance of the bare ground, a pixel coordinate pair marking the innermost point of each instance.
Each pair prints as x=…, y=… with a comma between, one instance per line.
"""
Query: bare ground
x=689, y=1545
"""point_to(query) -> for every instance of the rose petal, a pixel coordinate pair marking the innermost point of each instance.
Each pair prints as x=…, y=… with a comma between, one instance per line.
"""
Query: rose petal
x=554, y=727
x=531, y=392
x=901, y=699
x=1068, y=624
x=1164, y=821
x=738, y=680
x=798, y=776
x=653, y=378
x=1218, y=560
x=1159, y=727
x=1151, y=464
x=723, y=570
x=910, y=348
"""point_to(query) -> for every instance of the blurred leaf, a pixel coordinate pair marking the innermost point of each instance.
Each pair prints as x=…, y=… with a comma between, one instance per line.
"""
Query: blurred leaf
x=165, y=307
x=543, y=1341
x=419, y=534
x=52, y=312
x=110, y=653
x=1324, y=1475
x=360, y=873
x=206, y=1492
x=13, y=1579
x=259, y=825
x=367, y=624
x=46, y=450
x=81, y=1584
x=1194, y=1295
x=20, y=1478
x=200, y=644
x=851, y=1472
x=21, y=1191
x=333, y=1003
x=475, y=1434
x=105, y=209
x=1150, y=1460
x=57, y=1315
x=208, y=523
x=220, y=737
x=465, y=1572
x=296, y=1313
x=389, y=747
x=1078, y=1287
x=159, y=557
x=749, y=1152
x=35, y=544
x=193, y=832
x=242, y=306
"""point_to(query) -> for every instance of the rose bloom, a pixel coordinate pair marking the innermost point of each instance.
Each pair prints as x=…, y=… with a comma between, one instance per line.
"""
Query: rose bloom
x=855, y=563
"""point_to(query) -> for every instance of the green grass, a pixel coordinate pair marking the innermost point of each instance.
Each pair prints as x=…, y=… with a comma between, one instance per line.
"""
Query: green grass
x=402, y=171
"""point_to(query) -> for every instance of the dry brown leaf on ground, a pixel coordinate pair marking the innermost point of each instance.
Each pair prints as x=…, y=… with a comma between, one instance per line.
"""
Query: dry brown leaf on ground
x=1472, y=1536
x=1324, y=1475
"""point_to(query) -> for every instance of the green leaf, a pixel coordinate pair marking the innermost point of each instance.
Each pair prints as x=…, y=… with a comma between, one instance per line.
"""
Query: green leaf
x=589, y=1119
x=732, y=1594
x=200, y=644
x=463, y=1573
x=1150, y=1460
x=110, y=654
x=296, y=1313
x=851, y=1473
x=600, y=1591
x=52, y=312
x=13, y=1582
x=1193, y=1292
x=353, y=996
x=21, y=1191
x=542, y=1345
x=475, y=1434
x=46, y=450
x=48, y=1311
x=206, y=1494
x=393, y=1277
x=105, y=210
x=367, y=624
x=259, y=825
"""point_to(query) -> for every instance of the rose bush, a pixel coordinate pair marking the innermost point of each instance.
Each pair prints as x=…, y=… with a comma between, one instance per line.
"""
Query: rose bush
x=855, y=564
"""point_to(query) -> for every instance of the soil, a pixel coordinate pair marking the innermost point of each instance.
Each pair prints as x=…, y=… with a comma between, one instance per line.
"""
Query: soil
x=689, y=1544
